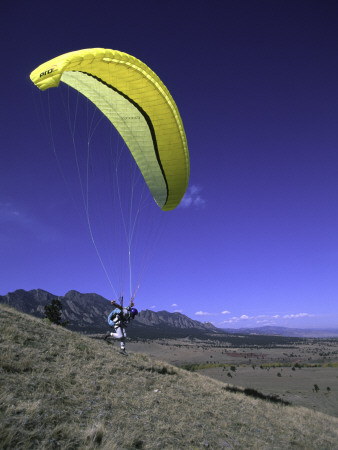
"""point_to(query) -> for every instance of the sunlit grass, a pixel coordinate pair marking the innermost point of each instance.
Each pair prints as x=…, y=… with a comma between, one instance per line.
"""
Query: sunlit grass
x=63, y=390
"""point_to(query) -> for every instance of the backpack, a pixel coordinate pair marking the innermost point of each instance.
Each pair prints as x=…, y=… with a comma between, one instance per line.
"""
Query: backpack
x=113, y=315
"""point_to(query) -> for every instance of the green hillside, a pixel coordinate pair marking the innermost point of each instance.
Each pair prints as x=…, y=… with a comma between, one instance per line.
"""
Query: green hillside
x=60, y=389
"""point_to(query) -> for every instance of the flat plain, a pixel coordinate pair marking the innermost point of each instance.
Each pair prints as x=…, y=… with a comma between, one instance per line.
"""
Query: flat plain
x=303, y=372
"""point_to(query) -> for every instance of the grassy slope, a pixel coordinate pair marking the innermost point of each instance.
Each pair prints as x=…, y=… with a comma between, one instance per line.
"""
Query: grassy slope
x=63, y=390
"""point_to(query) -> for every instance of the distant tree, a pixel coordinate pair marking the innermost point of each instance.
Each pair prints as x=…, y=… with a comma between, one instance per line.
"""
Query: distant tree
x=315, y=388
x=53, y=312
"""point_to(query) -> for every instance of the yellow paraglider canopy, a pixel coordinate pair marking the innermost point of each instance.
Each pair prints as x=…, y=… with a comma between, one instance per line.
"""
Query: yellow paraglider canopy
x=140, y=107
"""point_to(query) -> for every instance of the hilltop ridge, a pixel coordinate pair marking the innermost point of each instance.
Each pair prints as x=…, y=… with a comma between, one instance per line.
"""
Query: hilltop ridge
x=63, y=389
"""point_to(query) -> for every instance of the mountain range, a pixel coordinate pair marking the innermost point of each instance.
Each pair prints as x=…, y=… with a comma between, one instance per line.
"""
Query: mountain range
x=88, y=313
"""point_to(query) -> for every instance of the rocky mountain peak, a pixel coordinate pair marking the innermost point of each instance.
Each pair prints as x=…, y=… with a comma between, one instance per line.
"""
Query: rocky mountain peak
x=88, y=312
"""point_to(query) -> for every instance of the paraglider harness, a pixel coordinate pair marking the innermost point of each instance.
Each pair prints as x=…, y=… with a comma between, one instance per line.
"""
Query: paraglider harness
x=116, y=318
x=121, y=316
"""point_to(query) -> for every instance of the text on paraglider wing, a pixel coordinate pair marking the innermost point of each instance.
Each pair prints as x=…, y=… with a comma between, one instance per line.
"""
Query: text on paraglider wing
x=47, y=72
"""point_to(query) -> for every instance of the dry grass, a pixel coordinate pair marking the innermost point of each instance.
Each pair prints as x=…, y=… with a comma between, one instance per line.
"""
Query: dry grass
x=63, y=390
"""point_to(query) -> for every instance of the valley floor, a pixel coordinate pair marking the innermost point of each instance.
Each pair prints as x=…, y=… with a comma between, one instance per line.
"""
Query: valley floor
x=285, y=372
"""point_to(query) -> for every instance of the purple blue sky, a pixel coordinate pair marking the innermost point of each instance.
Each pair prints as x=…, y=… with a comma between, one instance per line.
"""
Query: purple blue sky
x=255, y=241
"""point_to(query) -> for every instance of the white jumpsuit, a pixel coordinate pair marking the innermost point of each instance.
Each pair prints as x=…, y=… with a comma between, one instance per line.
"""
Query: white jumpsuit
x=120, y=330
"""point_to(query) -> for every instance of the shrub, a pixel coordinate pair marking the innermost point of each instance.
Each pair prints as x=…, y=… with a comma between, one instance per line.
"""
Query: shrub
x=53, y=312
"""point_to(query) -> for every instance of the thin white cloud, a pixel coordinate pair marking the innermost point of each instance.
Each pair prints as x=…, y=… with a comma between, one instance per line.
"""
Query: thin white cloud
x=25, y=221
x=225, y=312
x=193, y=198
x=9, y=213
x=230, y=321
x=266, y=319
x=236, y=319
x=174, y=304
x=297, y=316
x=203, y=313
x=178, y=310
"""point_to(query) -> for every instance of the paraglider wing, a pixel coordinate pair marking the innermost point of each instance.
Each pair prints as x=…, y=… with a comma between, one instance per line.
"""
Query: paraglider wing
x=140, y=107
